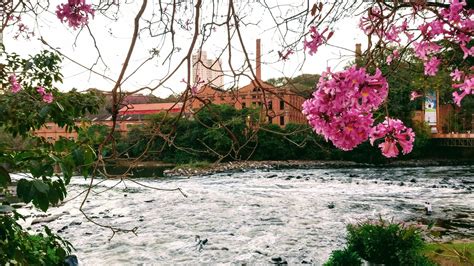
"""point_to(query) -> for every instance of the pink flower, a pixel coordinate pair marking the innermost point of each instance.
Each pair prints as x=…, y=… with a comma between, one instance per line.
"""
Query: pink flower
x=48, y=97
x=317, y=39
x=431, y=66
x=15, y=86
x=40, y=90
x=389, y=148
x=467, y=51
x=414, y=95
x=458, y=97
x=342, y=105
x=392, y=34
x=456, y=75
x=406, y=141
x=396, y=54
x=394, y=131
x=75, y=12
x=466, y=88
x=369, y=23
x=423, y=49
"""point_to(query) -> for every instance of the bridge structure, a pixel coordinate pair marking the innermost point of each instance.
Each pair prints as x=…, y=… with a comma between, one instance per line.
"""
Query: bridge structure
x=464, y=140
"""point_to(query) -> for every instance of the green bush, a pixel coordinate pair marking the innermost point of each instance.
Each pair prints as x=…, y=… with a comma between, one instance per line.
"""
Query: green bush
x=343, y=257
x=386, y=243
x=20, y=247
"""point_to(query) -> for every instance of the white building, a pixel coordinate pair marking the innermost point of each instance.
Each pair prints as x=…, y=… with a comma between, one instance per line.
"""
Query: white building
x=206, y=69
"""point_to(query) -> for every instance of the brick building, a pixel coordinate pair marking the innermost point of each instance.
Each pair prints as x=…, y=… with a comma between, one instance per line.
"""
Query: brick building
x=279, y=106
x=129, y=116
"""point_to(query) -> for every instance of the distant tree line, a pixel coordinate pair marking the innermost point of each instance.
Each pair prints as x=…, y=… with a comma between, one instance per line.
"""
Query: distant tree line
x=223, y=133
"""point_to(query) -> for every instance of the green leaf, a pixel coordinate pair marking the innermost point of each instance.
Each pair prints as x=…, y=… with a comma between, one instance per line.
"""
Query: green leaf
x=60, y=106
x=66, y=167
x=58, y=185
x=23, y=189
x=4, y=177
x=53, y=196
x=42, y=202
x=78, y=156
x=44, y=111
x=40, y=186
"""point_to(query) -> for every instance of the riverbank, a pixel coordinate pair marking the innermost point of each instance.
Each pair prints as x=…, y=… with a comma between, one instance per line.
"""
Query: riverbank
x=204, y=168
x=460, y=252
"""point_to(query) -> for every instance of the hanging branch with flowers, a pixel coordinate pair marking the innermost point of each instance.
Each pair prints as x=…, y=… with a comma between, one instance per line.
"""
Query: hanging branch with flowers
x=343, y=104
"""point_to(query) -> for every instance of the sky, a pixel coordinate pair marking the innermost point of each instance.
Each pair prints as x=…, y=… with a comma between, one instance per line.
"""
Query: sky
x=113, y=39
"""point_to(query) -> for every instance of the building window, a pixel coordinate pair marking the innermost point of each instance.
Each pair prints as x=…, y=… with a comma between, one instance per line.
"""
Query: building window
x=282, y=104
x=243, y=105
x=270, y=119
x=259, y=103
x=270, y=105
x=282, y=120
x=254, y=96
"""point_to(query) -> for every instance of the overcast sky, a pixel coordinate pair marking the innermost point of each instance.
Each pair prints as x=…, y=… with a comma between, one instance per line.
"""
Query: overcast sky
x=113, y=39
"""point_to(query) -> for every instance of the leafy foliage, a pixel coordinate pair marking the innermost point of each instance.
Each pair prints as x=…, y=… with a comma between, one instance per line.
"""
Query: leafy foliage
x=386, y=243
x=22, y=112
x=343, y=257
x=19, y=247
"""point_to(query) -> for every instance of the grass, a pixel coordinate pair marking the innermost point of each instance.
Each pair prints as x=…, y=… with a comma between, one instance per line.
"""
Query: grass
x=451, y=254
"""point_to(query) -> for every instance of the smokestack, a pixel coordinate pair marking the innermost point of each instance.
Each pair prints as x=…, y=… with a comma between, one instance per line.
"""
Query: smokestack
x=259, y=67
x=358, y=53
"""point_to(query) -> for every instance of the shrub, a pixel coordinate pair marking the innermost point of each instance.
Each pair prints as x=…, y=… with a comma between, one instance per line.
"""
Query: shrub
x=343, y=257
x=386, y=243
x=20, y=247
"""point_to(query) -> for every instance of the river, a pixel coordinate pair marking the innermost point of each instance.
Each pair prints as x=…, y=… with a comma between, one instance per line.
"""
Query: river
x=251, y=217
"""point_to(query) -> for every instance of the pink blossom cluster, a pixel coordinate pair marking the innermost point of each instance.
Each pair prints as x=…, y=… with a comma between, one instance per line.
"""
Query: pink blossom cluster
x=394, y=132
x=341, y=107
x=454, y=23
x=75, y=12
x=15, y=85
x=466, y=85
x=462, y=89
x=22, y=29
x=47, y=96
x=395, y=54
x=317, y=39
x=372, y=24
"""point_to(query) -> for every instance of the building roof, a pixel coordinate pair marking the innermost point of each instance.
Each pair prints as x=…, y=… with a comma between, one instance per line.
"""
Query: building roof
x=151, y=108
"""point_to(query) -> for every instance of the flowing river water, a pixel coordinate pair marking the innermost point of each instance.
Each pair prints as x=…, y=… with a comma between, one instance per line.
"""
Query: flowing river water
x=250, y=217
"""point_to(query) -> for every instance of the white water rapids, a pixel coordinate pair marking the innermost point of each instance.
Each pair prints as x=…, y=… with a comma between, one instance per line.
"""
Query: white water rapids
x=251, y=217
